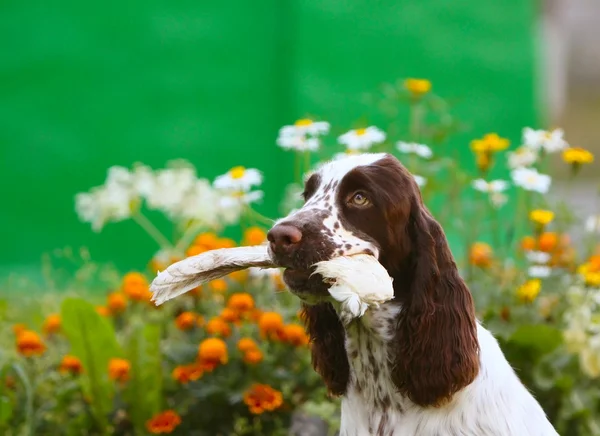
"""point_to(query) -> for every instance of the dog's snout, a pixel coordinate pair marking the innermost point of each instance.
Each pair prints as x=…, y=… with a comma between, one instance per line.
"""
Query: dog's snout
x=284, y=237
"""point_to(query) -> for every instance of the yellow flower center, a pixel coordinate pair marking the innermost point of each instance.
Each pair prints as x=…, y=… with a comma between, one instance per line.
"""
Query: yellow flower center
x=237, y=172
x=303, y=122
x=360, y=132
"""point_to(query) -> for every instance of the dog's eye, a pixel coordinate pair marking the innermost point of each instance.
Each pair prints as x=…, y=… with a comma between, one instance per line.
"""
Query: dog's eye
x=359, y=199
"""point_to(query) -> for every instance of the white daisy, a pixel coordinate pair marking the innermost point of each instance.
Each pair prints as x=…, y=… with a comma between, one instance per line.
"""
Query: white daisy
x=169, y=189
x=421, y=181
x=539, y=271
x=592, y=224
x=362, y=139
x=521, y=157
x=530, y=180
x=490, y=187
x=305, y=127
x=198, y=204
x=541, y=139
x=411, y=147
x=143, y=180
x=118, y=175
x=538, y=257
x=238, y=179
x=103, y=204
x=298, y=143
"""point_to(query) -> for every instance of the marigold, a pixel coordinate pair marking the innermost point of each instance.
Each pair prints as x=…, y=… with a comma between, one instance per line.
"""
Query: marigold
x=118, y=369
x=528, y=291
x=295, y=334
x=547, y=241
x=541, y=216
x=136, y=287
x=253, y=357
x=219, y=285
x=229, y=315
x=209, y=240
x=102, y=311
x=186, y=320
x=270, y=325
x=260, y=398
x=212, y=352
x=29, y=343
x=195, y=250
x=70, y=364
x=239, y=276
x=186, y=373
x=225, y=243
x=18, y=328
x=489, y=143
x=254, y=236
x=52, y=324
x=246, y=344
x=480, y=254
x=163, y=423
x=241, y=302
x=528, y=243
x=577, y=156
x=417, y=87
x=218, y=326
x=116, y=302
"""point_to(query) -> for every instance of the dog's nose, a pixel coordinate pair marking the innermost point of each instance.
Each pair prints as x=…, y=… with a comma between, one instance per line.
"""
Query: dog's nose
x=284, y=237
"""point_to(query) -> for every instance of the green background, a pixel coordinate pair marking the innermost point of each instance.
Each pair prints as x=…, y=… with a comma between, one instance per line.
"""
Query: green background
x=84, y=86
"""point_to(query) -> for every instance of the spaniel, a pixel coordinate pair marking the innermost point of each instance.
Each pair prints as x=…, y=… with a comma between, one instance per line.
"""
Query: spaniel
x=420, y=364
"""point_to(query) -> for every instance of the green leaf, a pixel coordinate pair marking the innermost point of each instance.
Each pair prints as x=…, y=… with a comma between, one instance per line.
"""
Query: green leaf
x=144, y=390
x=93, y=341
x=6, y=410
x=542, y=338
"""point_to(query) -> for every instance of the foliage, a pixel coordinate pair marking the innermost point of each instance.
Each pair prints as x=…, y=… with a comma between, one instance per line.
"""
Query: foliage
x=231, y=357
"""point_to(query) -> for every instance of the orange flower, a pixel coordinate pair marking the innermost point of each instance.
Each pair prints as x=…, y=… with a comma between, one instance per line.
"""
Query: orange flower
x=52, y=324
x=225, y=243
x=186, y=321
x=254, y=236
x=271, y=325
x=547, y=241
x=229, y=315
x=246, y=344
x=118, y=369
x=253, y=357
x=217, y=326
x=165, y=422
x=116, y=302
x=219, y=285
x=295, y=334
x=186, y=373
x=255, y=315
x=195, y=250
x=70, y=364
x=196, y=292
x=480, y=254
x=260, y=398
x=136, y=287
x=18, y=328
x=212, y=352
x=241, y=302
x=208, y=240
x=103, y=310
x=528, y=243
x=239, y=276
x=29, y=343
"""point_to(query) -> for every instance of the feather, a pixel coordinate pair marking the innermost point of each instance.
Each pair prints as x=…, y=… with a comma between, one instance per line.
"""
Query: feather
x=193, y=271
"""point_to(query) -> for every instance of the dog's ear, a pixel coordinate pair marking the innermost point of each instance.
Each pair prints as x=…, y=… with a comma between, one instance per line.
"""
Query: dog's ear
x=436, y=352
x=328, y=348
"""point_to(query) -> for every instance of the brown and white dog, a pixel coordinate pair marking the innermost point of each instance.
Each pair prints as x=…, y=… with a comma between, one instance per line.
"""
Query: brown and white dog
x=420, y=364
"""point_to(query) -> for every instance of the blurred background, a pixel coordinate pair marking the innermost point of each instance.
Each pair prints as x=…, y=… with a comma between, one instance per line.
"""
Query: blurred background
x=84, y=87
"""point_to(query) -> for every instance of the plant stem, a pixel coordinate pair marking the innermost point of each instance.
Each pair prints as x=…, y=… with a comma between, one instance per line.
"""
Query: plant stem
x=416, y=119
x=152, y=231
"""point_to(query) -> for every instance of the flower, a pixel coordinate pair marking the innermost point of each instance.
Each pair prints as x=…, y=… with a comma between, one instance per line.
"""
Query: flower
x=229, y=315
x=490, y=143
x=19, y=328
x=103, y=204
x=116, y=302
x=186, y=321
x=303, y=127
x=539, y=271
x=295, y=335
x=589, y=359
x=541, y=216
x=165, y=422
x=592, y=224
x=362, y=139
x=498, y=199
x=547, y=241
x=483, y=160
x=490, y=187
x=538, y=257
x=528, y=291
x=270, y=325
x=136, y=287
x=253, y=357
x=246, y=344
x=118, y=369
x=218, y=326
x=254, y=236
x=577, y=156
x=102, y=311
x=417, y=87
x=52, y=324
x=70, y=364
x=298, y=143
x=29, y=343
x=260, y=398
x=212, y=352
x=530, y=180
x=207, y=240
x=167, y=189
x=421, y=181
x=480, y=254
x=218, y=285
x=238, y=179
x=543, y=140
x=528, y=243
x=521, y=157
x=241, y=302
x=414, y=148
x=186, y=373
